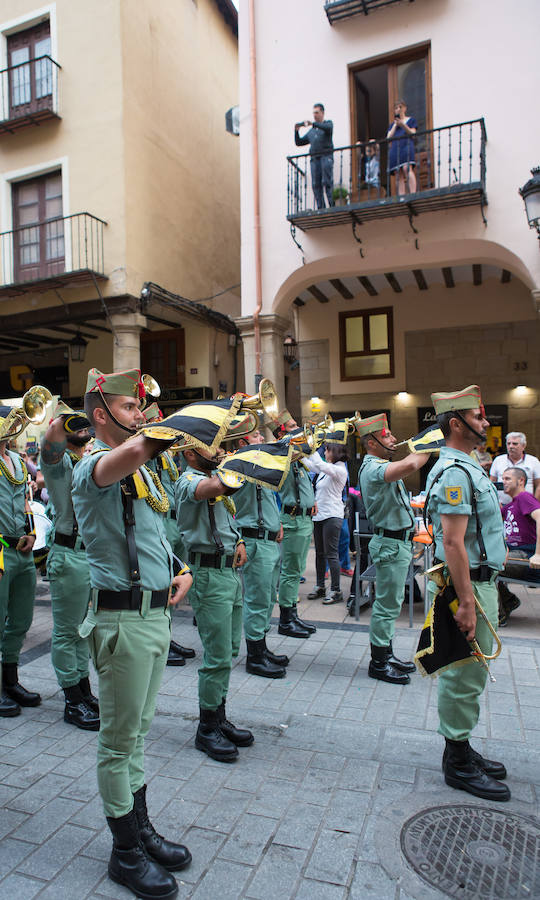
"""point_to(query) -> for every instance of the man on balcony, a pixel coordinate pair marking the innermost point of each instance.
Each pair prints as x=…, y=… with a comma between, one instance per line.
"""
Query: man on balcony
x=319, y=138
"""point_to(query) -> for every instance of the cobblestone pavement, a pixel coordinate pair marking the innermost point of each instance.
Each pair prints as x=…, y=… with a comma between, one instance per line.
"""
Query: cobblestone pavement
x=312, y=810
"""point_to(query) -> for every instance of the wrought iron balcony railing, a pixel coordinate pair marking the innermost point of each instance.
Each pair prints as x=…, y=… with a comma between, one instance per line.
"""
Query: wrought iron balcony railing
x=54, y=252
x=29, y=93
x=440, y=169
x=336, y=10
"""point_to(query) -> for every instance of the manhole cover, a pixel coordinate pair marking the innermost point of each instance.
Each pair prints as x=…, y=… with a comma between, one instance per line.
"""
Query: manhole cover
x=475, y=852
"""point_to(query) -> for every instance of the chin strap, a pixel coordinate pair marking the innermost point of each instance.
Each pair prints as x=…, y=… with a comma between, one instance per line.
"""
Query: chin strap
x=390, y=449
x=456, y=412
x=114, y=419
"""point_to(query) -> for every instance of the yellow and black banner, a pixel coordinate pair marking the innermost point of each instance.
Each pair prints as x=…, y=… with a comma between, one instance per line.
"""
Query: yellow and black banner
x=339, y=433
x=429, y=440
x=441, y=643
x=203, y=424
x=265, y=464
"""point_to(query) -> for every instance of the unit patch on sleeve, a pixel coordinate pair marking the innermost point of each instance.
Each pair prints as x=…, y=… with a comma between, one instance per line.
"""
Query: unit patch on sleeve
x=453, y=495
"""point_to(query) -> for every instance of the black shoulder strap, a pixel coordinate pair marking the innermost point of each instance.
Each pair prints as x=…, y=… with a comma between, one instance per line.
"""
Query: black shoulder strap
x=260, y=519
x=474, y=504
x=296, y=484
x=127, y=492
x=213, y=528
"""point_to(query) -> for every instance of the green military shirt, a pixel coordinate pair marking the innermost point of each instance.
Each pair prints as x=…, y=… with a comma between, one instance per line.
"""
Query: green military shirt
x=451, y=495
x=247, y=511
x=58, y=478
x=12, y=499
x=387, y=502
x=193, y=520
x=99, y=513
x=167, y=471
x=288, y=496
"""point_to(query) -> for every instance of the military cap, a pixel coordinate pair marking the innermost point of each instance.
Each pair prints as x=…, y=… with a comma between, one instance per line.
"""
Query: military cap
x=378, y=422
x=124, y=384
x=75, y=419
x=152, y=411
x=468, y=398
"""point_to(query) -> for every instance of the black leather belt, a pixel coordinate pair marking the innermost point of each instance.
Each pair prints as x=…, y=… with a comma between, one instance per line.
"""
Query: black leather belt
x=298, y=510
x=130, y=599
x=172, y=514
x=261, y=533
x=211, y=560
x=11, y=541
x=67, y=540
x=480, y=573
x=405, y=534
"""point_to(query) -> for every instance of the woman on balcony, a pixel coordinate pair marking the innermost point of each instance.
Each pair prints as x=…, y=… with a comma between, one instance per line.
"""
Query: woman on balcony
x=401, y=158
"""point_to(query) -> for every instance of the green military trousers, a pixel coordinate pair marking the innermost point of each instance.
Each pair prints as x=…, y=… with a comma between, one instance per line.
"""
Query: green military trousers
x=69, y=579
x=260, y=576
x=392, y=559
x=17, y=594
x=216, y=599
x=460, y=687
x=129, y=651
x=297, y=531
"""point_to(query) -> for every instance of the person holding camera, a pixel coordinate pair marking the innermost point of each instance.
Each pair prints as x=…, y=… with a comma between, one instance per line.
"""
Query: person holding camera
x=319, y=138
x=401, y=155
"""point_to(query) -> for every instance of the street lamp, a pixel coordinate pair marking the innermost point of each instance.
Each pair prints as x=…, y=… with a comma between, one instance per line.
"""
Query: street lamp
x=77, y=348
x=289, y=349
x=531, y=197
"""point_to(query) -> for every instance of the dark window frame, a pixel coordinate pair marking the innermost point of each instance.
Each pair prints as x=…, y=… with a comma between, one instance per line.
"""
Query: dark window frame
x=389, y=351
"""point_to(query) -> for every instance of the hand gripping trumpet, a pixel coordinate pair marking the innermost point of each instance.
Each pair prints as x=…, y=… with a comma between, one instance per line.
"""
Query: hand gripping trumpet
x=31, y=412
x=447, y=593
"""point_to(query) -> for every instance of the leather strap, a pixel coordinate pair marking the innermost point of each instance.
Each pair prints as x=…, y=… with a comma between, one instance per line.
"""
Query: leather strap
x=213, y=528
x=130, y=599
x=127, y=491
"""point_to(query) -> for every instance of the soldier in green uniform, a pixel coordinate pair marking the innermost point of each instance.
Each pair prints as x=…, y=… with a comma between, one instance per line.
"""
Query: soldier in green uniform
x=257, y=516
x=391, y=516
x=62, y=448
x=18, y=583
x=119, y=505
x=167, y=471
x=215, y=550
x=469, y=538
x=297, y=508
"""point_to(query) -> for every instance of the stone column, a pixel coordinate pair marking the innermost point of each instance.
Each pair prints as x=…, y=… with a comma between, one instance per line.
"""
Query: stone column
x=535, y=294
x=272, y=330
x=126, y=340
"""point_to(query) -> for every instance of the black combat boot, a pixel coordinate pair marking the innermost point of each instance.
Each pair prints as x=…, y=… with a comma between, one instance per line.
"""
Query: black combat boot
x=258, y=663
x=400, y=664
x=382, y=669
x=463, y=771
x=131, y=865
x=172, y=857
x=280, y=659
x=490, y=766
x=288, y=624
x=186, y=652
x=78, y=711
x=211, y=739
x=8, y=707
x=14, y=689
x=174, y=658
x=92, y=701
x=308, y=626
x=241, y=737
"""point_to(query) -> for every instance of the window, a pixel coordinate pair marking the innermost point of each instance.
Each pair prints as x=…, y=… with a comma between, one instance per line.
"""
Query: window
x=367, y=344
x=30, y=70
x=38, y=236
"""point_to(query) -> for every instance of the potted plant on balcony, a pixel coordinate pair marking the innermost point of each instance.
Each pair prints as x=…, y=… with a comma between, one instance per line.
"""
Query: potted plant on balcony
x=340, y=195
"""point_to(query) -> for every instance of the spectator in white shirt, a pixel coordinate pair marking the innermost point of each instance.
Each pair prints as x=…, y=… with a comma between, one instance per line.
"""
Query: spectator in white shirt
x=327, y=521
x=515, y=456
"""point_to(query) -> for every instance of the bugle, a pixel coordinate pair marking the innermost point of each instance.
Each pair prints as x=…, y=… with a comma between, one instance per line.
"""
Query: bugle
x=152, y=390
x=32, y=411
x=266, y=400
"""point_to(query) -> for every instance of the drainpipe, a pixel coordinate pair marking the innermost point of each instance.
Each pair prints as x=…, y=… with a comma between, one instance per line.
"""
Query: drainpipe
x=256, y=197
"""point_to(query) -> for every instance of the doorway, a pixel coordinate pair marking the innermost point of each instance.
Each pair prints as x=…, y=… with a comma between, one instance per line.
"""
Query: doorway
x=375, y=86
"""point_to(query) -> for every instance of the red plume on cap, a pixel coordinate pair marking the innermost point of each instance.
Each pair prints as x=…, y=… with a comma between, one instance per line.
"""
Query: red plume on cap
x=142, y=389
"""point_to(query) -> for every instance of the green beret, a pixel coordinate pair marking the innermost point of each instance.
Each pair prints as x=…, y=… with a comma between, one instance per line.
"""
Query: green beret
x=378, y=422
x=468, y=398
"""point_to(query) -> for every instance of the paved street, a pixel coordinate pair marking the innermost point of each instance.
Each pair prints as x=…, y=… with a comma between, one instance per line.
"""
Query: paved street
x=313, y=809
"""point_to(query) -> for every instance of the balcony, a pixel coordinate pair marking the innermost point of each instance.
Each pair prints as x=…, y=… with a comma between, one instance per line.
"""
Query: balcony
x=51, y=254
x=450, y=172
x=336, y=10
x=28, y=94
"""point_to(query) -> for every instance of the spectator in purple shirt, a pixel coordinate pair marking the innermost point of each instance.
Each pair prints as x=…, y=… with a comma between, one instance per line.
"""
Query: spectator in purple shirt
x=522, y=531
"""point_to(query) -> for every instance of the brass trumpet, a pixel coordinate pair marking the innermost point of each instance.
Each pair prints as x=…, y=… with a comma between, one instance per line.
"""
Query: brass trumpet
x=32, y=411
x=266, y=400
x=151, y=388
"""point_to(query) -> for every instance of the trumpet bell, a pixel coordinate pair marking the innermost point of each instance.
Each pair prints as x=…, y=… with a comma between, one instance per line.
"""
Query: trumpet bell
x=265, y=401
x=152, y=389
x=34, y=404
